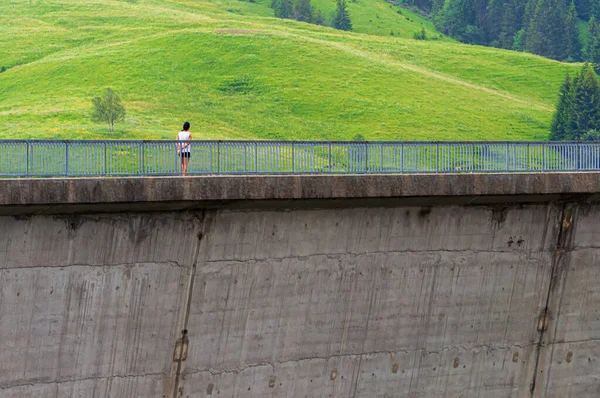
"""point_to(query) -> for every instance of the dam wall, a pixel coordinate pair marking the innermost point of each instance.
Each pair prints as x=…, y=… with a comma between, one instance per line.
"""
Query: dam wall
x=347, y=286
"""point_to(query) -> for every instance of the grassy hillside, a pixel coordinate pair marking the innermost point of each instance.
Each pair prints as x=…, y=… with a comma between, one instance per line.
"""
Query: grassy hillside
x=234, y=71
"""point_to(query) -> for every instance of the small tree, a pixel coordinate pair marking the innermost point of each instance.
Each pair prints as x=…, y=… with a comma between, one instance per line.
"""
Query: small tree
x=422, y=35
x=303, y=11
x=108, y=109
x=319, y=18
x=342, y=17
x=283, y=8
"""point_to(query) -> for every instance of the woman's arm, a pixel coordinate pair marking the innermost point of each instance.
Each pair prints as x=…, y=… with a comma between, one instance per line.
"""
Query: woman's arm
x=189, y=139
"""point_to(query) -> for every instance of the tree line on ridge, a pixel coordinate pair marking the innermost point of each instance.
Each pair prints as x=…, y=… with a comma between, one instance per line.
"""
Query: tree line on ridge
x=303, y=11
x=545, y=27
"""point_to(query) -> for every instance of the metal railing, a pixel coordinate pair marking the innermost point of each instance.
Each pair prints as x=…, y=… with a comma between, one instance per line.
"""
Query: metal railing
x=128, y=158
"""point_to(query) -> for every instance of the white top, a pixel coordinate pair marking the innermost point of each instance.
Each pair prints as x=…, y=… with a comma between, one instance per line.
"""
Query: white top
x=184, y=136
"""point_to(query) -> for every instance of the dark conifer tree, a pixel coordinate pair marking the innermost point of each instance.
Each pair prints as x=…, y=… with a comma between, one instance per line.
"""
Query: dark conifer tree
x=573, y=39
x=592, y=52
x=494, y=21
x=529, y=12
x=545, y=33
x=283, y=8
x=584, y=8
x=436, y=6
x=319, y=18
x=586, y=103
x=563, y=117
x=303, y=11
x=342, y=16
x=510, y=25
x=594, y=11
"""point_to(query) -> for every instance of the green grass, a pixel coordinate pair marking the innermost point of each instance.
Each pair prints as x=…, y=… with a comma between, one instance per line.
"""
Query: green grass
x=235, y=72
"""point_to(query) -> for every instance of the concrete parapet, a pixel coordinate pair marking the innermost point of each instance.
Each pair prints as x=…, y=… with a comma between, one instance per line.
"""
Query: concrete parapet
x=55, y=195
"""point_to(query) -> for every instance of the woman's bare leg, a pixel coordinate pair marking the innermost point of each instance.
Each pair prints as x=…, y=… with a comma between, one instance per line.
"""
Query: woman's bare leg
x=184, y=165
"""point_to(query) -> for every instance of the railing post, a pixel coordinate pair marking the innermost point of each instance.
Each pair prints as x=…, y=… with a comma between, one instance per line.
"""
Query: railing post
x=210, y=158
x=330, y=157
x=256, y=158
x=472, y=147
x=143, y=147
x=401, y=157
x=218, y=157
x=293, y=158
x=437, y=157
x=506, y=160
x=367, y=145
x=66, y=158
x=27, y=159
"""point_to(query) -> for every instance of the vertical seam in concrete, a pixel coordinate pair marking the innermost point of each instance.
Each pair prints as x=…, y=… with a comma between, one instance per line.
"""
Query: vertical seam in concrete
x=556, y=258
x=188, y=306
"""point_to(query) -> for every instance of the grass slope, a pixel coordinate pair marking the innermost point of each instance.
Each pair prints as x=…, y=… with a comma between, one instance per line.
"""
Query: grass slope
x=235, y=72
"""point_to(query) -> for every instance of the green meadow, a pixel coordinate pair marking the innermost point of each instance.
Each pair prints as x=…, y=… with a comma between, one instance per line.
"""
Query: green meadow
x=236, y=72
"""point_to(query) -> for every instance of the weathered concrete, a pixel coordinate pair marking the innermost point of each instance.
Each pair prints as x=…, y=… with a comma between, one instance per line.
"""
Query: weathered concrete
x=55, y=196
x=395, y=296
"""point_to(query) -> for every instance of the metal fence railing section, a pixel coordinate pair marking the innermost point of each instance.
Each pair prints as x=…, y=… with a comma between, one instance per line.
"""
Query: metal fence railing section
x=129, y=158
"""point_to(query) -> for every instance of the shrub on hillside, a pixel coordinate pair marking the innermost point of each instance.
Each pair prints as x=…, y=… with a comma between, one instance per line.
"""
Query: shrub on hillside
x=237, y=85
x=108, y=109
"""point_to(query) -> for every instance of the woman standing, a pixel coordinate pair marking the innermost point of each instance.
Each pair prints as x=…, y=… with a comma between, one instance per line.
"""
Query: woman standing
x=183, y=148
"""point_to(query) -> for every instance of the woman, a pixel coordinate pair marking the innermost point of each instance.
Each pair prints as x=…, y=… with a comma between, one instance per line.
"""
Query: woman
x=183, y=148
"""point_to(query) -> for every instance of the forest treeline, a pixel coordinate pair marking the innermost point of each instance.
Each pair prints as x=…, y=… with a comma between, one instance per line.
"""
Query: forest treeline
x=303, y=11
x=544, y=27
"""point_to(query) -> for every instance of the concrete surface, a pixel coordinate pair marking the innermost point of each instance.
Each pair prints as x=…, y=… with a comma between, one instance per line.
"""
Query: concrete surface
x=385, y=298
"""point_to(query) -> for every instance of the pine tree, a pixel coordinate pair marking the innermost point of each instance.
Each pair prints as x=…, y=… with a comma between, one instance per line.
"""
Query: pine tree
x=529, y=12
x=494, y=22
x=283, y=8
x=303, y=11
x=586, y=103
x=592, y=52
x=562, y=121
x=509, y=27
x=458, y=19
x=436, y=6
x=545, y=33
x=319, y=18
x=573, y=39
x=342, y=17
x=594, y=10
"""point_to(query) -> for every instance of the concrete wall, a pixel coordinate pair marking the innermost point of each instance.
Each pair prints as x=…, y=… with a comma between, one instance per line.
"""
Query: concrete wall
x=437, y=300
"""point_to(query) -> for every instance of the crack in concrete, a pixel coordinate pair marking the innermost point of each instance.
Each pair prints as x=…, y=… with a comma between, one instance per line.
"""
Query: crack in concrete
x=170, y=263
x=566, y=221
x=224, y=264
x=7, y=386
x=205, y=221
x=276, y=363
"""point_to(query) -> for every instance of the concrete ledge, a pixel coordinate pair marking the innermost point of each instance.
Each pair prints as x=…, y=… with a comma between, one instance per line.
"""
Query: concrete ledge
x=179, y=193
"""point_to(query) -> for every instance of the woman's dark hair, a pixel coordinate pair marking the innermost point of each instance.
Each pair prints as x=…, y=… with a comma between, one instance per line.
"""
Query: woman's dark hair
x=186, y=126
